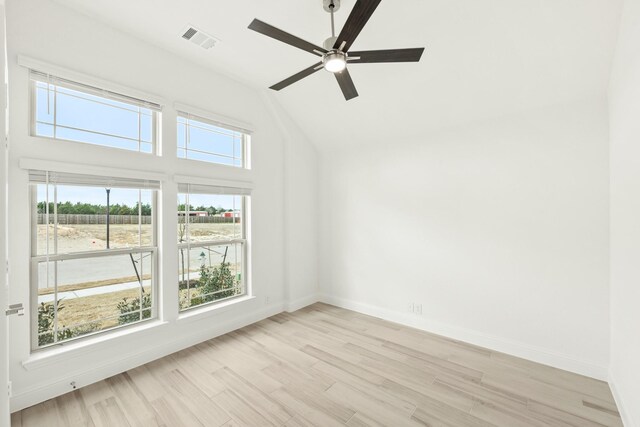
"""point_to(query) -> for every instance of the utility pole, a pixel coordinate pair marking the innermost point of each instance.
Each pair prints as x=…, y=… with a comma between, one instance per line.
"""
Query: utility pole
x=108, y=191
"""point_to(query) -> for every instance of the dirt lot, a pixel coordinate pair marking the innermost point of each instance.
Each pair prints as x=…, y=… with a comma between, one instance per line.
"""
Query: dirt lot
x=87, y=237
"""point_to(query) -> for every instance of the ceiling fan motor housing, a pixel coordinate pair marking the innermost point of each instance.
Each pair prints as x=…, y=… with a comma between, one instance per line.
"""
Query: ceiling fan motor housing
x=328, y=43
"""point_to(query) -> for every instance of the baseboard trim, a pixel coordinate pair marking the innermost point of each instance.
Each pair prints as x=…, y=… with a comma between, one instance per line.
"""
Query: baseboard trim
x=299, y=303
x=518, y=349
x=627, y=421
x=56, y=388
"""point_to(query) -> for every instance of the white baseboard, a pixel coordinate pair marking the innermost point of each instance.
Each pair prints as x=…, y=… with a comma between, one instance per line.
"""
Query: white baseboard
x=518, y=349
x=627, y=420
x=56, y=388
x=294, y=305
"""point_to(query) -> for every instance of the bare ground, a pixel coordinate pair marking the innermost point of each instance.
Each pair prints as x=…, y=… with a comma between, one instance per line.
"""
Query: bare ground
x=88, y=237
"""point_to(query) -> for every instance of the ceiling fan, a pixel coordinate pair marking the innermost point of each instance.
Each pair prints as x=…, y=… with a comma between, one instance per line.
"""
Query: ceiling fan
x=335, y=53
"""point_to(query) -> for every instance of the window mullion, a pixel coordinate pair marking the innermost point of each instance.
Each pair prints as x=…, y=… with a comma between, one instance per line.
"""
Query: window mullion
x=187, y=234
x=55, y=263
x=55, y=110
x=139, y=129
x=141, y=293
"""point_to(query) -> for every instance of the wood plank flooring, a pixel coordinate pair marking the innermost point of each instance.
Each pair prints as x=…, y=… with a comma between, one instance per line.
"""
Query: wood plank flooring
x=325, y=366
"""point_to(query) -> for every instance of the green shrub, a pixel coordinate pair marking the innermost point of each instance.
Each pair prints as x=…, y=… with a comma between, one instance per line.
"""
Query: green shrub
x=129, y=309
x=215, y=279
x=46, y=316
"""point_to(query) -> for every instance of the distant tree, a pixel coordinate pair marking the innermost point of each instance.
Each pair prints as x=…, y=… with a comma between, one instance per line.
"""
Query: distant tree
x=91, y=209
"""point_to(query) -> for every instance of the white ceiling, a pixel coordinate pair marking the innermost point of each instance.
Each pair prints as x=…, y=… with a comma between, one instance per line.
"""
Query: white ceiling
x=483, y=58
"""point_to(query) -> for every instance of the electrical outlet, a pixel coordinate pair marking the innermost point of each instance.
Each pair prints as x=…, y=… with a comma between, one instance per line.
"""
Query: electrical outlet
x=9, y=389
x=267, y=300
x=415, y=308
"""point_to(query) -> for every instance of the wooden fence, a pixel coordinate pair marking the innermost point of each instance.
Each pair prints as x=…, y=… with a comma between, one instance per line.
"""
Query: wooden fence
x=65, y=219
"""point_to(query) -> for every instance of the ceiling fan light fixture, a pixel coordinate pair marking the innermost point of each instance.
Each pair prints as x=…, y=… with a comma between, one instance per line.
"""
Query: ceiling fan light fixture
x=335, y=61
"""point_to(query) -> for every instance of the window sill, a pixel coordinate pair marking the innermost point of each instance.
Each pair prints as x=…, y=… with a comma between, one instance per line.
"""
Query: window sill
x=63, y=352
x=201, y=312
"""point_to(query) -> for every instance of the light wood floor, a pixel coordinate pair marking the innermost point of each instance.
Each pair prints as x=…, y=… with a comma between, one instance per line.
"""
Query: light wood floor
x=327, y=366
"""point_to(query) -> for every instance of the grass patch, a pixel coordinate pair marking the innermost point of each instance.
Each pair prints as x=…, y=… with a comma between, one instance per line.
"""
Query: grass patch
x=95, y=307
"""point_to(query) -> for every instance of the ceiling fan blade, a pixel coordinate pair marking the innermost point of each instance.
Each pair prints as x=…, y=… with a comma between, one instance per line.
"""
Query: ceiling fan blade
x=278, y=34
x=391, y=55
x=356, y=21
x=299, y=76
x=346, y=84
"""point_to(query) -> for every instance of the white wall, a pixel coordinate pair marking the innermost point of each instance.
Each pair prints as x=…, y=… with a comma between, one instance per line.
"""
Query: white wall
x=624, y=106
x=499, y=230
x=50, y=32
x=4, y=351
x=300, y=211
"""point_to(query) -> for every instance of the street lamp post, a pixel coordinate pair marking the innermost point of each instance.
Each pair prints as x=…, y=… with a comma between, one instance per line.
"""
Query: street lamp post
x=108, y=191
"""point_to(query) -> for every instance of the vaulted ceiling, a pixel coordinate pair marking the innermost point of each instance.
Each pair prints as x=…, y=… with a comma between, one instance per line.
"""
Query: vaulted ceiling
x=483, y=58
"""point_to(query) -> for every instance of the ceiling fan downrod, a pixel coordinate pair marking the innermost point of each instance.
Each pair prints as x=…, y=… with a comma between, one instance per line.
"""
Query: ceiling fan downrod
x=331, y=6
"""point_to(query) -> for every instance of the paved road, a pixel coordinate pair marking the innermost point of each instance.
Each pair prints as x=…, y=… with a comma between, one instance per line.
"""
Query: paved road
x=113, y=268
x=92, y=269
x=85, y=270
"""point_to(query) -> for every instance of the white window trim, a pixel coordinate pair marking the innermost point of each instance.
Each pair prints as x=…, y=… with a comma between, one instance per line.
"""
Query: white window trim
x=34, y=259
x=212, y=182
x=221, y=120
x=51, y=355
x=191, y=117
x=65, y=73
x=86, y=169
x=245, y=241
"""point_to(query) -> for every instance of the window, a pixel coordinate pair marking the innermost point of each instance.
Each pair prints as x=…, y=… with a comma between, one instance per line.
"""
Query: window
x=211, y=244
x=209, y=141
x=62, y=109
x=93, y=254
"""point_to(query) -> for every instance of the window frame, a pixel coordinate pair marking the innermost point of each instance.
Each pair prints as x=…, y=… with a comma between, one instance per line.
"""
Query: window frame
x=244, y=241
x=165, y=307
x=35, y=259
x=36, y=76
x=244, y=132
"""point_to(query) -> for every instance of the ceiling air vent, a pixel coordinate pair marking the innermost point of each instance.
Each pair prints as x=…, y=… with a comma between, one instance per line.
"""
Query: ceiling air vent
x=199, y=37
